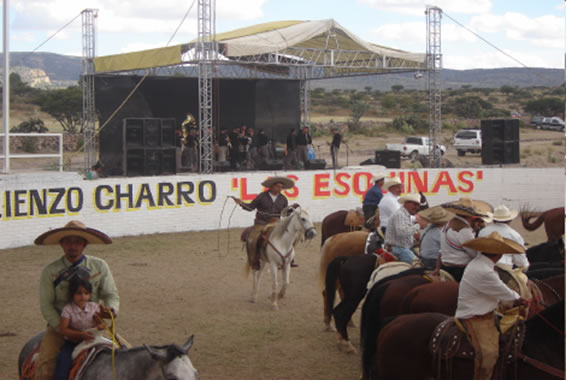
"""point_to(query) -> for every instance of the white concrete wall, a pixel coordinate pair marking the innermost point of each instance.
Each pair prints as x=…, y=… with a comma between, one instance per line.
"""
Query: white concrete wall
x=33, y=203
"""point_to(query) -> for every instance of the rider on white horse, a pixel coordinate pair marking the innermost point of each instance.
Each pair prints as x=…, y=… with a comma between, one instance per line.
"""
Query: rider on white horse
x=268, y=205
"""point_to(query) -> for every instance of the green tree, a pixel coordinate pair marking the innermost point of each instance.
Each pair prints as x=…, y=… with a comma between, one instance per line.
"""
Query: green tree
x=65, y=105
x=397, y=88
x=357, y=110
x=30, y=125
x=388, y=102
x=547, y=106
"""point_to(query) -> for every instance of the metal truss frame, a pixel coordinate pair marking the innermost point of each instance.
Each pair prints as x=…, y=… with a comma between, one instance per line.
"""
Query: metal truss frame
x=434, y=66
x=87, y=82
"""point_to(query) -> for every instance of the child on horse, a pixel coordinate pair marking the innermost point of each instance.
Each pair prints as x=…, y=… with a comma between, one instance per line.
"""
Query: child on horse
x=77, y=319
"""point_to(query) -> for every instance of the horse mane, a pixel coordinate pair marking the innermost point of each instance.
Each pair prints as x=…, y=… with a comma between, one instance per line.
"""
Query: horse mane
x=282, y=226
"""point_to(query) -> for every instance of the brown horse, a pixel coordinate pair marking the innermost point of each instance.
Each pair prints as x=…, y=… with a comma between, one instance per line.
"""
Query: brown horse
x=341, y=221
x=404, y=349
x=552, y=219
x=342, y=244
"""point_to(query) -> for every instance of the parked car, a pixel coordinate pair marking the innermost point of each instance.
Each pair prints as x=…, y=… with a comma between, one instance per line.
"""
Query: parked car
x=414, y=145
x=554, y=123
x=536, y=120
x=468, y=140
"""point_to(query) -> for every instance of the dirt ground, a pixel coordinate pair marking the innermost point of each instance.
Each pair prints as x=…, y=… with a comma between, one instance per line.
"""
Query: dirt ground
x=175, y=285
x=538, y=149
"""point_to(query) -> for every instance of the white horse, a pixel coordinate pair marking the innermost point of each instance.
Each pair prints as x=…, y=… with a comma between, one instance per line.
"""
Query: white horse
x=294, y=225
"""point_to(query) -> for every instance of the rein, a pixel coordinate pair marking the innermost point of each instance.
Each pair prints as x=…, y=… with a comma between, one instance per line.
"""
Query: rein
x=283, y=257
x=541, y=366
x=550, y=324
x=539, y=282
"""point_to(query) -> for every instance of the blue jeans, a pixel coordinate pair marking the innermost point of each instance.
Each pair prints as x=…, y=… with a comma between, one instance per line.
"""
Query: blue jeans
x=64, y=361
x=404, y=254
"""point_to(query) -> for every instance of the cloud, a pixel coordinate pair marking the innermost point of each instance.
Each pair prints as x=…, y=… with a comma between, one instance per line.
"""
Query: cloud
x=417, y=7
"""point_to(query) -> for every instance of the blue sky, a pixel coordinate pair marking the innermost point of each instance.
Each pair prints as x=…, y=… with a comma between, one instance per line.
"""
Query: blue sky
x=532, y=31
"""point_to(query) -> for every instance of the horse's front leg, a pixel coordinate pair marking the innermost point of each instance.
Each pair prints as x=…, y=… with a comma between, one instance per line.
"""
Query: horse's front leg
x=256, y=277
x=274, y=271
x=285, y=278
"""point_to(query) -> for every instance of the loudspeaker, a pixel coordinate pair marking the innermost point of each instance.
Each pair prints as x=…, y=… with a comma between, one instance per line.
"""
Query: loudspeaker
x=315, y=164
x=168, y=161
x=270, y=164
x=135, y=162
x=167, y=132
x=134, y=132
x=221, y=166
x=389, y=159
x=500, y=141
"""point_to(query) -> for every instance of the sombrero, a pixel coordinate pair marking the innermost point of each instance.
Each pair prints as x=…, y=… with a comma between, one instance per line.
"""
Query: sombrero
x=503, y=214
x=466, y=207
x=495, y=244
x=436, y=215
x=413, y=197
x=286, y=181
x=379, y=176
x=73, y=229
x=391, y=182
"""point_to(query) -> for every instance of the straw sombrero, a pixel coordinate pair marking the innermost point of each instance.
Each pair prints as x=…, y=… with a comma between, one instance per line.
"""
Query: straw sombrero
x=466, y=207
x=413, y=197
x=391, y=182
x=379, y=176
x=286, y=181
x=495, y=244
x=436, y=215
x=503, y=214
x=73, y=229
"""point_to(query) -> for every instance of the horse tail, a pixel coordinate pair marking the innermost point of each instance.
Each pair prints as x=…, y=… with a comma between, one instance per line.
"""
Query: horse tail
x=331, y=279
x=324, y=261
x=370, y=328
x=531, y=226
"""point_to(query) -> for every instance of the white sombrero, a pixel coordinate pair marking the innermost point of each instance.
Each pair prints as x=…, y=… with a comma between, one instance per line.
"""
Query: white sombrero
x=391, y=182
x=412, y=197
x=286, y=182
x=379, y=176
x=503, y=214
x=73, y=229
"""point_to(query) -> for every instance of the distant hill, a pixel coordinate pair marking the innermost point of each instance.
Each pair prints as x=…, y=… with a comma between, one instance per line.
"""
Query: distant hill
x=65, y=70
x=487, y=78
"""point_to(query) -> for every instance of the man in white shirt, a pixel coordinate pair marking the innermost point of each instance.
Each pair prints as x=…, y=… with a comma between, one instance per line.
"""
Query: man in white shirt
x=389, y=203
x=462, y=228
x=502, y=218
x=402, y=232
x=480, y=292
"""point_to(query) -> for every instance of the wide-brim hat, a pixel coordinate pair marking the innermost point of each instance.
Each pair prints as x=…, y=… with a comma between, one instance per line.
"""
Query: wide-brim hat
x=379, y=176
x=495, y=244
x=465, y=207
x=503, y=214
x=391, y=182
x=286, y=181
x=73, y=229
x=413, y=197
x=436, y=215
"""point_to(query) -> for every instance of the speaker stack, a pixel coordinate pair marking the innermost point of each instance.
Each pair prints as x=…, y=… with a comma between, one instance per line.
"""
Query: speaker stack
x=315, y=164
x=500, y=141
x=149, y=146
x=389, y=159
x=271, y=164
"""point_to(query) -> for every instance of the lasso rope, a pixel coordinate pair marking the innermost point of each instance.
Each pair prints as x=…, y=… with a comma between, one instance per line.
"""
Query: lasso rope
x=112, y=332
x=220, y=222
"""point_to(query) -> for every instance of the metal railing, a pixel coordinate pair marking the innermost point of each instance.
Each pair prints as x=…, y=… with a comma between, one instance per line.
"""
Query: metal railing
x=36, y=155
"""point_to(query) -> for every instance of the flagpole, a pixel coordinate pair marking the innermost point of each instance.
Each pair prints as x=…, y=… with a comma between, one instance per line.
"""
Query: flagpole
x=6, y=89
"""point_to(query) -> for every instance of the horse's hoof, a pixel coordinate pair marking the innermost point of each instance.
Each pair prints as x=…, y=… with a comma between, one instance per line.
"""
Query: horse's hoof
x=281, y=296
x=275, y=307
x=329, y=328
x=252, y=300
x=347, y=347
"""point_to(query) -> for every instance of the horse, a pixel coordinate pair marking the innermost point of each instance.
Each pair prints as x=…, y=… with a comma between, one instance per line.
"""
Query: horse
x=337, y=222
x=551, y=252
x=352, y=274
x=139, y=363
x=552, y=219
x=279, y=253
x=342, y=244
x=405, y=354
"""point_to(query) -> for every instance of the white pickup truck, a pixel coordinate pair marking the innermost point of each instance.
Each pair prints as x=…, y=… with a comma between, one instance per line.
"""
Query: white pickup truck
x=413, y=146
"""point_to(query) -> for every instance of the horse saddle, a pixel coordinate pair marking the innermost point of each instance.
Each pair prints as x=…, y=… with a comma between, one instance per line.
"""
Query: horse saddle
x=450, y=340
x=354, y=218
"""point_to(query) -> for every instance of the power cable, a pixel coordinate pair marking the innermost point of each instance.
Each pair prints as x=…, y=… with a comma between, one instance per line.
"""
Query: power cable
x=54, y=34
x=485, y=40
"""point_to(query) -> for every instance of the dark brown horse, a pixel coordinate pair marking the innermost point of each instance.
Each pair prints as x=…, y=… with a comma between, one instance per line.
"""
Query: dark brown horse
x=552, y=219
x=335, y=223
x=404, y=349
